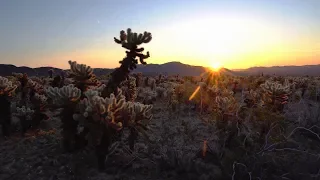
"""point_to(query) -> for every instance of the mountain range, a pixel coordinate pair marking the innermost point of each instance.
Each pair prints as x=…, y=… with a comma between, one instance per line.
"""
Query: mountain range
x=174, y=68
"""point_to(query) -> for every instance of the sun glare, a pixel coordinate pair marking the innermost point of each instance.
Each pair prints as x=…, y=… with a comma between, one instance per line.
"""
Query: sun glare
x=216, y=66
x=219, y=36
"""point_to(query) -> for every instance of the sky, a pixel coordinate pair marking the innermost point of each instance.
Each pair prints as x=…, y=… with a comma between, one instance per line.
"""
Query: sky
x=235, y=34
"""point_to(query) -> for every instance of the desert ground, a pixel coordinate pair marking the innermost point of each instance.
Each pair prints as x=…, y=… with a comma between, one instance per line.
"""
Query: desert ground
x=211, y=127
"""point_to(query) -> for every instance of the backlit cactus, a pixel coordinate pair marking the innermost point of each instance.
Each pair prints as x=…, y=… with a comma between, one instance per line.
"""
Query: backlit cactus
x=251, y=98
x=64, y=95
x=82, y=75
x=6, y=86
x=276, y=94
x=129, y=41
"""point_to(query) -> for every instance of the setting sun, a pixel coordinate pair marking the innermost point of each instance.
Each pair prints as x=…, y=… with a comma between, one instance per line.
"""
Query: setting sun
x=216, y=66
x=228, y=37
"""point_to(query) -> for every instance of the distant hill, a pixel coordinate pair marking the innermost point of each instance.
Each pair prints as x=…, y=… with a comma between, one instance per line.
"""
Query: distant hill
x=7, y=70
x=310, y=70
x=173, y=68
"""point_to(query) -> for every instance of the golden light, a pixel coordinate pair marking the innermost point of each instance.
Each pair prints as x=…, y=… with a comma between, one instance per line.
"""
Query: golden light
x=194, y=93
x=208, y=37
x=216, y=66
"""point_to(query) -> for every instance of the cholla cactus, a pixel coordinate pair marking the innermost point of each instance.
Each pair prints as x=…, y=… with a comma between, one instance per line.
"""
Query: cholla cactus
x=57, y=81
x=41, y=81
x=225, y=108
x=95, y=104
x=129, y=41
x=114, y=108
x=276, y=94
x=291, y=84
x=25, y=116
x=68, y=81
x=82, y=75
x=138, y=111
x=6, y=86
x=68, y=98
x=147, y=95
x=300, y=81
x=105, y=114
x=17, y=75
x=132, y=88
x=80, y=71
x=251, y=98
x=129, y=88
x=35, y=86
x=64, y=95
x=42, y=99
x=161, y=92
x=114, y=112
x=23, y=79
x=173, y=100
x=150, y=82
x=23, y=111
x=139, y=79
x=227, y=105
x=6, y=89
x=275, y=88
x=213, y=90
x=39, y=104
x=99, y=89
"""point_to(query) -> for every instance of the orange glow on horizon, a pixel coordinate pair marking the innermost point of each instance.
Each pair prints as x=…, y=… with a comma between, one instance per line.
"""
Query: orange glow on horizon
x=213, y=42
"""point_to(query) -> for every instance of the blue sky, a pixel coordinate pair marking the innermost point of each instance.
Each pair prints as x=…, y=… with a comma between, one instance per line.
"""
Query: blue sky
x=47, y=32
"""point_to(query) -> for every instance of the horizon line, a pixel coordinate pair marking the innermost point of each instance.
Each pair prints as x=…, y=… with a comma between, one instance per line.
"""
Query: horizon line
x=176, y=62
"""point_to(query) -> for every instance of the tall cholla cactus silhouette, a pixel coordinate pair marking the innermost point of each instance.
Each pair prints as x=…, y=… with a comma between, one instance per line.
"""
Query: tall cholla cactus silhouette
x=129, y=41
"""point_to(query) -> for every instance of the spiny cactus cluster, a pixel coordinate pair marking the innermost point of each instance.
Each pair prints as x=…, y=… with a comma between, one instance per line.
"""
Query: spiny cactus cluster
x=129, y=88
x=113, y=113
x=6, y=86
x=64, y=95
x=31, y=108
x=276, y=94
x=82, y=75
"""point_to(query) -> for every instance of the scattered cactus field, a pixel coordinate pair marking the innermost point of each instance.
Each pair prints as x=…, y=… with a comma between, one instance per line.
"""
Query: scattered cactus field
x=126, y=125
